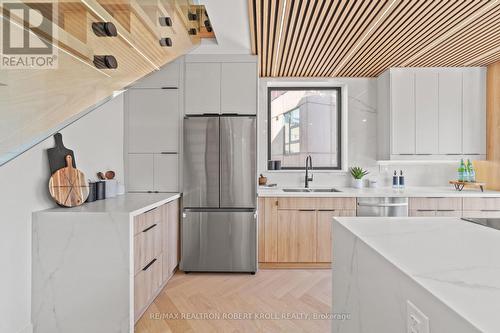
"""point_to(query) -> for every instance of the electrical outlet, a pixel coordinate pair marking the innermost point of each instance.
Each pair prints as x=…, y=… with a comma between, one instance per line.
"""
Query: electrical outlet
x=417, y=321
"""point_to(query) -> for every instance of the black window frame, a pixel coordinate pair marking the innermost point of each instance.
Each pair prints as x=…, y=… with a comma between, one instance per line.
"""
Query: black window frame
x=339, y=125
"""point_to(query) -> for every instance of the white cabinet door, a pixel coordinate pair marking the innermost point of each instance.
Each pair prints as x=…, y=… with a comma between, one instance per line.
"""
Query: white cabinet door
x=166, y=175
x=474, y=111
x=426, y=112
x=450, y=112
x=153, y=120
x=166, y=77
x=140, y=172
x=239, y=88
x=403, y=112
x=202, y=93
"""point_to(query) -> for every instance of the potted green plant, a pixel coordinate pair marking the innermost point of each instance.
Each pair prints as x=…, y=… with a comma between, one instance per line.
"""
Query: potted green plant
x=357, y=174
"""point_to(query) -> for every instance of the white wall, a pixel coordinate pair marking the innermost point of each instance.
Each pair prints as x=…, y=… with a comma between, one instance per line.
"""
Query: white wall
x=362, y=143
x=97, y=141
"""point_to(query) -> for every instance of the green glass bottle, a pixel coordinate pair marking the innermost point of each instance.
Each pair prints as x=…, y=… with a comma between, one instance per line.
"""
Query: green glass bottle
x=461, y=171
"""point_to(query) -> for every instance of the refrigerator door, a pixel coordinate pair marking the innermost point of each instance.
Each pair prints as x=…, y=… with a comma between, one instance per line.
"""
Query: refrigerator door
x=201, y=162
x=219, y=241
x=238, y=161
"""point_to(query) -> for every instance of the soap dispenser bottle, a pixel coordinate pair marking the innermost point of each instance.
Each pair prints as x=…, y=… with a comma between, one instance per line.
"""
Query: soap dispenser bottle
x=401, y=179
x=395, y=180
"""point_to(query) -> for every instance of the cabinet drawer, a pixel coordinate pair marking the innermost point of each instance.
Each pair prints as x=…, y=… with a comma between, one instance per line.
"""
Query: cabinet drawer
x=316, y=203
x=438, y=204
x=481, y=213
x=146, y=285
x=147, y=246
x=147, y=219
x=482, y=204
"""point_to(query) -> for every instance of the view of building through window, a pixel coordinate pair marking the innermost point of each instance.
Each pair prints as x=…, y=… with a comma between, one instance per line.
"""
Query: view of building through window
x=302, y=122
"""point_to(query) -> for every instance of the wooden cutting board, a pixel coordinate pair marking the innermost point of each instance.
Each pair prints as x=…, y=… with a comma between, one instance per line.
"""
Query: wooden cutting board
x=68, y=186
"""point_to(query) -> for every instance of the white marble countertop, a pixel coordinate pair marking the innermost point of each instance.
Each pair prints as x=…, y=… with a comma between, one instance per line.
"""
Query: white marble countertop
x=456, y=261
x=417, y=191
x=129, y=203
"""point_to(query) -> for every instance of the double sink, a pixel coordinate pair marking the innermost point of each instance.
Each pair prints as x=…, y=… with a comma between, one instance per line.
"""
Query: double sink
x=307, y=190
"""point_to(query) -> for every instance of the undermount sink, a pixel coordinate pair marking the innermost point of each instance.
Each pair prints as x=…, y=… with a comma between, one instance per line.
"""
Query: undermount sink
x=310, y=190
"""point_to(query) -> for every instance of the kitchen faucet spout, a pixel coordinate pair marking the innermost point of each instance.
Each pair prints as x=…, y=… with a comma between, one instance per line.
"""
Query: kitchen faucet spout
x=309, y=178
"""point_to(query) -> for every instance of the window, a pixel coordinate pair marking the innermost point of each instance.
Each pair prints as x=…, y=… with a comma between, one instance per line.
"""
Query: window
x=305, y=121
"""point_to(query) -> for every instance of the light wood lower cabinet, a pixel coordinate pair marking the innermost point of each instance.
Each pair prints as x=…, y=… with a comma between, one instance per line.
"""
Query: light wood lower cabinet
x=156, y=255
x=297, y=239
x=171, y=239
x=435, y=207
x=297, y=230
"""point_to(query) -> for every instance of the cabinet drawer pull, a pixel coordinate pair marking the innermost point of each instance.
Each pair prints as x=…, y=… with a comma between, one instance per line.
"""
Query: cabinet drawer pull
x=490, y=210
x=445, y=210
x=149, y=228
x=306, y=210
x=327, y=210
x=148, y=265
x=425, y=210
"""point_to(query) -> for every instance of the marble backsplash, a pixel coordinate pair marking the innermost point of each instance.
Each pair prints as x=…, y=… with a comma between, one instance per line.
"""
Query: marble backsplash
x=362, y=144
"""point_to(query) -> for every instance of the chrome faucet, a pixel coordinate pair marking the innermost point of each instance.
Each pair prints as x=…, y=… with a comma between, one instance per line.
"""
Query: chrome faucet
x=309, y=164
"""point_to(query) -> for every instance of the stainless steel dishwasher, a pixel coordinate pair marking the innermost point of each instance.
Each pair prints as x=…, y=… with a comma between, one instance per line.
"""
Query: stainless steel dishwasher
x=382, y=206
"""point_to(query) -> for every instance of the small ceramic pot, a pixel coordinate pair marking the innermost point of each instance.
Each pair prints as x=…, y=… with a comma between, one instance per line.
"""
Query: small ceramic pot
x=357, y=183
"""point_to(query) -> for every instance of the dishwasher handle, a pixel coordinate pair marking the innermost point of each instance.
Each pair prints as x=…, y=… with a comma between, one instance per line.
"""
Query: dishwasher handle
x=402, y=204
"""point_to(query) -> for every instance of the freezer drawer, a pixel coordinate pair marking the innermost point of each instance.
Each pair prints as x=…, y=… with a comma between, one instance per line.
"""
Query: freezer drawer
x=219, y=241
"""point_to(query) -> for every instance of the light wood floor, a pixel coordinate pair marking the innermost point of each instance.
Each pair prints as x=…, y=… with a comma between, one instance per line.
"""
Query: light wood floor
x=269, y=292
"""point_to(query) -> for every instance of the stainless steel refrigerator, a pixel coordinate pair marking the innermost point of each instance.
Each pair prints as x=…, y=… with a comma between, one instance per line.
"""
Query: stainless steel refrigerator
x=219, y=225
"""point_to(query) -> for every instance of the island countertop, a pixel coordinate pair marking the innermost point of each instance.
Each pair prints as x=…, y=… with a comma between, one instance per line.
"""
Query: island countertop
x=456, y=261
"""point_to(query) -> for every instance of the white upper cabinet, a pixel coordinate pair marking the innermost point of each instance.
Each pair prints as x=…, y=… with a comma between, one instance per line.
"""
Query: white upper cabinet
x=450, y=112
x=403, y=117
x=474, y=116
x=220, y=84
x=239, y=88
x=426, y=113
x=153, y=120
x=431, y=113
x=202, y=88
x=166, y=77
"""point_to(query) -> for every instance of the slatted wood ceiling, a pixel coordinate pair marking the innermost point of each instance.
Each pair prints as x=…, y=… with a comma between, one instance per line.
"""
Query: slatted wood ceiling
x=360, y=38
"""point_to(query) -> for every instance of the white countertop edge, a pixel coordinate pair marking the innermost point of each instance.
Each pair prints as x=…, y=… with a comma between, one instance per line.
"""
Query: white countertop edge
x=127, y=206
x=417, y=191
x=339, y=221
x=139, y=211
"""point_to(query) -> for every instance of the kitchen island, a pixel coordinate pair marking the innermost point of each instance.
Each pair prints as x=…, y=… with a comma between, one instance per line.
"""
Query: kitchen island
x=97, y=267
x=445, y=267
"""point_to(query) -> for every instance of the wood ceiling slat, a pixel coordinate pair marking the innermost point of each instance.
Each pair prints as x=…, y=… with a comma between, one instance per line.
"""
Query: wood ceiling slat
x=410, y=38
x=371, y=15
x=285, y=38
x=435, y=26
x=265, y=34
x=299, y=17
x=272, y=7
x=339, y=22
x=304, y=35
x=251, y=14
x=320, y=45
x=487, y=29
x=284, y=19
x=312, y=33
x=387, y=35
x=354, y=38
